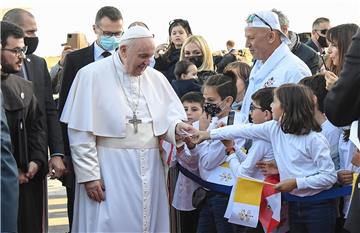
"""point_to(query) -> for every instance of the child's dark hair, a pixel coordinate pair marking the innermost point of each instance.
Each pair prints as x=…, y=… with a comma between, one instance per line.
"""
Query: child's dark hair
x=181, y=68
x=317, y=84
x=298, y=106
x=225, y=85
x=264, y=97
x=193, y=97
x=241, y=69
x=173, y=23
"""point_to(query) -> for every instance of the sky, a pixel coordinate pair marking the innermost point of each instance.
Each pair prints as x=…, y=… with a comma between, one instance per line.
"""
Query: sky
x=218, y=21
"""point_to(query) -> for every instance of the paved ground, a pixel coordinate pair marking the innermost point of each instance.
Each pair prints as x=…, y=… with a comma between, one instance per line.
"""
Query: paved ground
x=57, y=211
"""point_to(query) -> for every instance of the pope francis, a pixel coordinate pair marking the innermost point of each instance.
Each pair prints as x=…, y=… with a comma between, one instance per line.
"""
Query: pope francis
x=116, y=111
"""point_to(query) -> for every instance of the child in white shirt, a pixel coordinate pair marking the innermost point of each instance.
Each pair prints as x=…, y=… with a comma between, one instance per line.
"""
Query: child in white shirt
x=301, y=152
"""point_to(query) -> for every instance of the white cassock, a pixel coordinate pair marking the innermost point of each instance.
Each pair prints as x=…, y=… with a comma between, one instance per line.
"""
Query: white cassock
x=104, y=146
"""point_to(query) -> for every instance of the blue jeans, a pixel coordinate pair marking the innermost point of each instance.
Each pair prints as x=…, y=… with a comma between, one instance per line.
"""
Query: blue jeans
x=312, y=217
x=211, y=217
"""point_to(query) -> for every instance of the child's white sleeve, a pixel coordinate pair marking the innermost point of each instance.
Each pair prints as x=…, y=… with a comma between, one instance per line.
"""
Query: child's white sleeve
x=325, y=177
x=250, y=131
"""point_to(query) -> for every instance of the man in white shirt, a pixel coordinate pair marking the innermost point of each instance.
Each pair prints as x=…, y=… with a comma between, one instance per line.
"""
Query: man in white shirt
x=116, y=111
x=274, y=64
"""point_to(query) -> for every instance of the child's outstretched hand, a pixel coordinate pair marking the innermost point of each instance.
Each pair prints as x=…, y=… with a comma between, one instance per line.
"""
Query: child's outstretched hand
x=286, y=185
x=204, y=121
x=267, y=168
x=200, y=136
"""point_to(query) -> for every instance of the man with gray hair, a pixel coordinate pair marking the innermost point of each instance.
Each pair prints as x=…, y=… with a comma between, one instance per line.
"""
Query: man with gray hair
x=274, y=64
x=318, y=34
x=117, y=110
x=301, y=50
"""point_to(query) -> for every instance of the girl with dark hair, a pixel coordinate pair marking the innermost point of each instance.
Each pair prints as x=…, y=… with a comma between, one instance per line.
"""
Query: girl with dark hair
x=301, y=152
x=166, y=55
x=339, y=38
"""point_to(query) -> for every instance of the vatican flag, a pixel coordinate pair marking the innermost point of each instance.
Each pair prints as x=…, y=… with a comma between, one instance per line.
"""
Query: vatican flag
x=244, y=204
x=222, y=175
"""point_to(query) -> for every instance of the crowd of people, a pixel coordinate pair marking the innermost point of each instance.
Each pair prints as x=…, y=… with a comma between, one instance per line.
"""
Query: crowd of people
x=128, y=112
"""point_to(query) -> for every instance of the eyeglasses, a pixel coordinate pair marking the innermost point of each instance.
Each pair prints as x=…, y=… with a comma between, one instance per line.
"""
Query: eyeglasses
x=110, y=34
x=251, y=18
x=17, y=51
x=323, y=31
x=253, y=107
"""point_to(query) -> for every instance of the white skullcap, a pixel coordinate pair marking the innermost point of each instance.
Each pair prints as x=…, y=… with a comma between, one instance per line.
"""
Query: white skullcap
x=270, y=18
x=136, y=32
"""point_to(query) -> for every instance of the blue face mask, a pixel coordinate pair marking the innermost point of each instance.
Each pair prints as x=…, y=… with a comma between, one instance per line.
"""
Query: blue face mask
x=109, y=43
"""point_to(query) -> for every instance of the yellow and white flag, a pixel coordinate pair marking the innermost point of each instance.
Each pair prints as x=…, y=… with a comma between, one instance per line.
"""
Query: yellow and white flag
x=244, y=203
x=222, y=175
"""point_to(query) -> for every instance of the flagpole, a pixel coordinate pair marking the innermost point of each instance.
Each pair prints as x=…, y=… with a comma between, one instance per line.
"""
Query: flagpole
x=256, y=180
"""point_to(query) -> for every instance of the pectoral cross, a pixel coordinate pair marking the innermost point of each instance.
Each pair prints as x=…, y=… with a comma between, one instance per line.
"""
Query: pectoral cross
x=135, y=121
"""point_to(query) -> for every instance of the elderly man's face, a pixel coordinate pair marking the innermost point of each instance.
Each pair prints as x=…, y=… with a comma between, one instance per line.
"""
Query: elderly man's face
x=257, y=40
x=136, y=57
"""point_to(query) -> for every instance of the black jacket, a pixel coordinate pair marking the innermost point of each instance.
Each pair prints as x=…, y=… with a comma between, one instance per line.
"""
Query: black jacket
x=37, y=72
x=182, y=87
x=308, y=55
x=29, y=144
x=74, y=61
x=167, y=66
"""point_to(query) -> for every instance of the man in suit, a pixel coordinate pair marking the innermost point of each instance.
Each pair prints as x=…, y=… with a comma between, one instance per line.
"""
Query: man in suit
x=35, y=69
x=108, y=28
x=318, y=34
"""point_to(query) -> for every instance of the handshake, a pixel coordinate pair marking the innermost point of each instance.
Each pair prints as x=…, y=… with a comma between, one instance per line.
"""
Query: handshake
x=188, y=133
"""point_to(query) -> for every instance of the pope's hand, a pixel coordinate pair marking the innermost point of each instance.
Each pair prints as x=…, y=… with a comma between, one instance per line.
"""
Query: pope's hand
x=95, y=190
x=184, y=130
x=200, y=136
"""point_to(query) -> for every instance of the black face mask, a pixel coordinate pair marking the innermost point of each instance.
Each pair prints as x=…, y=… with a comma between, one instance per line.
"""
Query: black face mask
x=212, y=109
x=322, y=41
x=196, y=60
x=31, y=43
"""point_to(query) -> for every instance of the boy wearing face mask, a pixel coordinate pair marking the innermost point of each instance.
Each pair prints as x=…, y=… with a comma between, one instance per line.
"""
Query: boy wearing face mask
x=318, y=35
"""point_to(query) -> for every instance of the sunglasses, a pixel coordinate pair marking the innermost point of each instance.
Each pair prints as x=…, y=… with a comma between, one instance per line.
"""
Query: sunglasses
x=323, y=32
x=251, y=18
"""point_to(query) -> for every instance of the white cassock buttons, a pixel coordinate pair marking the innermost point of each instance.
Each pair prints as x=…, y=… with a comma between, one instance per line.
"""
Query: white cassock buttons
x=22, y=95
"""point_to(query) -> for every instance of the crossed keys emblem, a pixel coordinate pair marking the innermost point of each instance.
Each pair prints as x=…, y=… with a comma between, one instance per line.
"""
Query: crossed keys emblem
x=245, y=215
x=226, y=177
